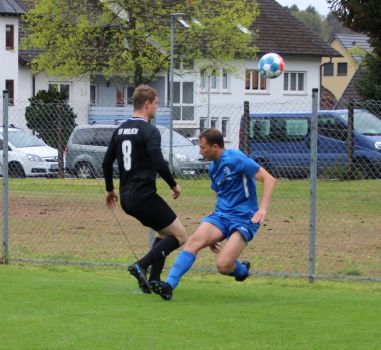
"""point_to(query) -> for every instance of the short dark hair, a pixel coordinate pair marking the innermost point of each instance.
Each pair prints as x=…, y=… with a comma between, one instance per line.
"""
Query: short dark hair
x=142, y=94
x=213, y=136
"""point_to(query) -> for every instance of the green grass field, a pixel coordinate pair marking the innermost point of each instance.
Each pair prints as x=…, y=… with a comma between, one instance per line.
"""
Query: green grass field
x=61, y=307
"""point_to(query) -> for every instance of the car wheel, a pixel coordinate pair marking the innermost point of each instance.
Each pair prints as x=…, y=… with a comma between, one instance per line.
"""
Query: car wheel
x=84, y=170
x=16, y=170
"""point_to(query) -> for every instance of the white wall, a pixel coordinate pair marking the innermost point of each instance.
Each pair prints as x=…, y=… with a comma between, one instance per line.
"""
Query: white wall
x=8, y=62
x=274, y=99
x=79, y=93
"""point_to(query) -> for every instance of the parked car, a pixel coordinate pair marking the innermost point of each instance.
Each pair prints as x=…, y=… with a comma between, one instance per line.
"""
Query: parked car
x=28, y=155
x=87, y=146
x=281, y=141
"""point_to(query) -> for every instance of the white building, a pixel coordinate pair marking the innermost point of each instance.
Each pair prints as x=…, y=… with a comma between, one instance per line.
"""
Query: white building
x=197, y=103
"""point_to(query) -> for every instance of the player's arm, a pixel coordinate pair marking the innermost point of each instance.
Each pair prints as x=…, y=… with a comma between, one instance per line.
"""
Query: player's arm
x=268, y=187
x=107, y=167
x=253, y=169
x=159, y=163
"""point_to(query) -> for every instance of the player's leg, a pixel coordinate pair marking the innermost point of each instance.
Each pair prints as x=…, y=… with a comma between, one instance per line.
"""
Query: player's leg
x=168, y=243
x=154, y=212
x=227, y=260
x=157, y=266
x=205, y=235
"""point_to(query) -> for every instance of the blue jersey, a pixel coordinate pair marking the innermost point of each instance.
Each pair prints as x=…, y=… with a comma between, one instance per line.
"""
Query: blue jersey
x=233, y=178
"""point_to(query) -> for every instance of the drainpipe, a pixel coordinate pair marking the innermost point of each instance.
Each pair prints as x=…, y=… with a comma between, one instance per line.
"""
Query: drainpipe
x=321, y=76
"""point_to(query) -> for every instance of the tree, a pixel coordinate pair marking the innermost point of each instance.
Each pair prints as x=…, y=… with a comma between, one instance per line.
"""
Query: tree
x=50, y=115
x=360, y=16
x=132, y=38
x=369, y=86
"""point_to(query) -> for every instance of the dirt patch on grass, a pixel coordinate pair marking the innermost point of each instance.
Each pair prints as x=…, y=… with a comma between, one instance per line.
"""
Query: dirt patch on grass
x=66, y=226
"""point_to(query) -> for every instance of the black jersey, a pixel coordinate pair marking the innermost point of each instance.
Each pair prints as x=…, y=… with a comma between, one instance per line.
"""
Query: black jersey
x=136, y=146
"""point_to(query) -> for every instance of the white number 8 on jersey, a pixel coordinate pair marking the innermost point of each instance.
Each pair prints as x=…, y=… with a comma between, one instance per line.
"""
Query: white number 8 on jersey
x=126, y=149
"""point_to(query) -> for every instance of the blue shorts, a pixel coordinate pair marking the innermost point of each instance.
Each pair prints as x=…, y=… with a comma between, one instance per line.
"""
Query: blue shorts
x=228, y=225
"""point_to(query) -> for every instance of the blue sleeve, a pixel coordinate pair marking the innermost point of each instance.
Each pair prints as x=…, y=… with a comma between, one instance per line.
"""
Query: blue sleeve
x=249, y=166
x=213, y=185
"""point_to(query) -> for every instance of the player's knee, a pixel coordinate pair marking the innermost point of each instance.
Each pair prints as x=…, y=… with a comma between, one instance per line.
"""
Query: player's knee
x=181, y=237
x=193, y=244
x=224, y=265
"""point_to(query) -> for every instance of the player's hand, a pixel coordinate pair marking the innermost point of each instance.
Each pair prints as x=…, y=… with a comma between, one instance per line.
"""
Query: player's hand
x=259, y=216
x=215, y=248
x=111, y=199
x=176, y=191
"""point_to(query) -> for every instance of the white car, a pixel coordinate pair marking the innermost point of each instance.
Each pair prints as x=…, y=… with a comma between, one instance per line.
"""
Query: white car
x=28, y=156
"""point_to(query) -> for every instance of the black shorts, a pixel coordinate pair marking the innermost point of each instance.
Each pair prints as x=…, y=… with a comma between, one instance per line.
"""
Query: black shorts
x=152, y=211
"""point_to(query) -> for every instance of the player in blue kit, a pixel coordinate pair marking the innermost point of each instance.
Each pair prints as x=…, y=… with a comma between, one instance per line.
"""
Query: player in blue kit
x=236, y=218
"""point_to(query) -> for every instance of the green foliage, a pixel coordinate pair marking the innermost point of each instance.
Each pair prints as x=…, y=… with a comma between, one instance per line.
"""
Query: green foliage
x=132, y=38
x=360, y=16
x=323, y=26
x=369, y=86
x=338, y=172
x=51, y=116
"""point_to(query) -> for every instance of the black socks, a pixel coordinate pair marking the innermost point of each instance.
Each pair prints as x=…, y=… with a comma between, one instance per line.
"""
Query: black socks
x=159, y=251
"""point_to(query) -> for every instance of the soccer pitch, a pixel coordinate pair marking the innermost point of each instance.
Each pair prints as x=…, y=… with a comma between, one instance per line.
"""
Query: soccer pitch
x=63, y=307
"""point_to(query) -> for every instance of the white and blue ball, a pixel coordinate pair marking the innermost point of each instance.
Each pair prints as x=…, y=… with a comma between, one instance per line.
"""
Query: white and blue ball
x=271, y=65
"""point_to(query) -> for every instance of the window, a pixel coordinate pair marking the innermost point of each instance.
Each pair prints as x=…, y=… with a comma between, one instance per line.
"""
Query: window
x=213, y=123
x=120, y=96
x=293, y=81
x=328, y=69
x=93, y=95
x=278, y=129
x=330, y=127
x=213, y=80
x=203, y=80
x=217, y=80
x=61, y=87
x=255, y=81
x=10, y=86
x=225, y=80
x=9, y=37
x=342, y=69
x=224, y=126
x=130, y=93
x=183, y=108
x=102, y=136
x=202, y=124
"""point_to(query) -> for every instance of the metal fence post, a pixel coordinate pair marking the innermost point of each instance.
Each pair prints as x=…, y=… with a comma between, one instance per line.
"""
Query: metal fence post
x=5, y=253
x=245, y=129
x=313, y=181
x=350, y=135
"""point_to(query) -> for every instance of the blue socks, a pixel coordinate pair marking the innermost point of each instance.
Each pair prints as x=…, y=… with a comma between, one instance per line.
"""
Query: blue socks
x=240, y=270
x=183, y=263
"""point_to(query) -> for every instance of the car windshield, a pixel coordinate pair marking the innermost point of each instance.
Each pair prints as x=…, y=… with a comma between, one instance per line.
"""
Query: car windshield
x=178, y=139
x=364, y=122
x=23, y=139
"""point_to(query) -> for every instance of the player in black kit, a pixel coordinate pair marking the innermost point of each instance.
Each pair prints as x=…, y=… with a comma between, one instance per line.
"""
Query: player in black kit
x=136, y=146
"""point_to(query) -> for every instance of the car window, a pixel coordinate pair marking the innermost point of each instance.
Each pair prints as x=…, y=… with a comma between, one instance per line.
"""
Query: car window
x=364, y=122
x=103, y=136
x=330, y=127
x=21, y=138
x=84, y=136
x=278, y=129
x=178, y=139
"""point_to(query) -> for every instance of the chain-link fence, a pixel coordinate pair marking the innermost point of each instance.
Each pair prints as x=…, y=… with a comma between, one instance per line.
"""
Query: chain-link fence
x=55, y=210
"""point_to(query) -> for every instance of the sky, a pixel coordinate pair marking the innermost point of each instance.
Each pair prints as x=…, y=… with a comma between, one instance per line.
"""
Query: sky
x=321, y=6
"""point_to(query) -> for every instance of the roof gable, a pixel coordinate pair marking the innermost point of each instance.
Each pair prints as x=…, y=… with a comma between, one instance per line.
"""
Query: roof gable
x=10, y=8
x=351, y=41
x=281, y=32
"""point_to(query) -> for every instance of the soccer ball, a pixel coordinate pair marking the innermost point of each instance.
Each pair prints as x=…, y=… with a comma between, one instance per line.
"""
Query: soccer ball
x=271, y=65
